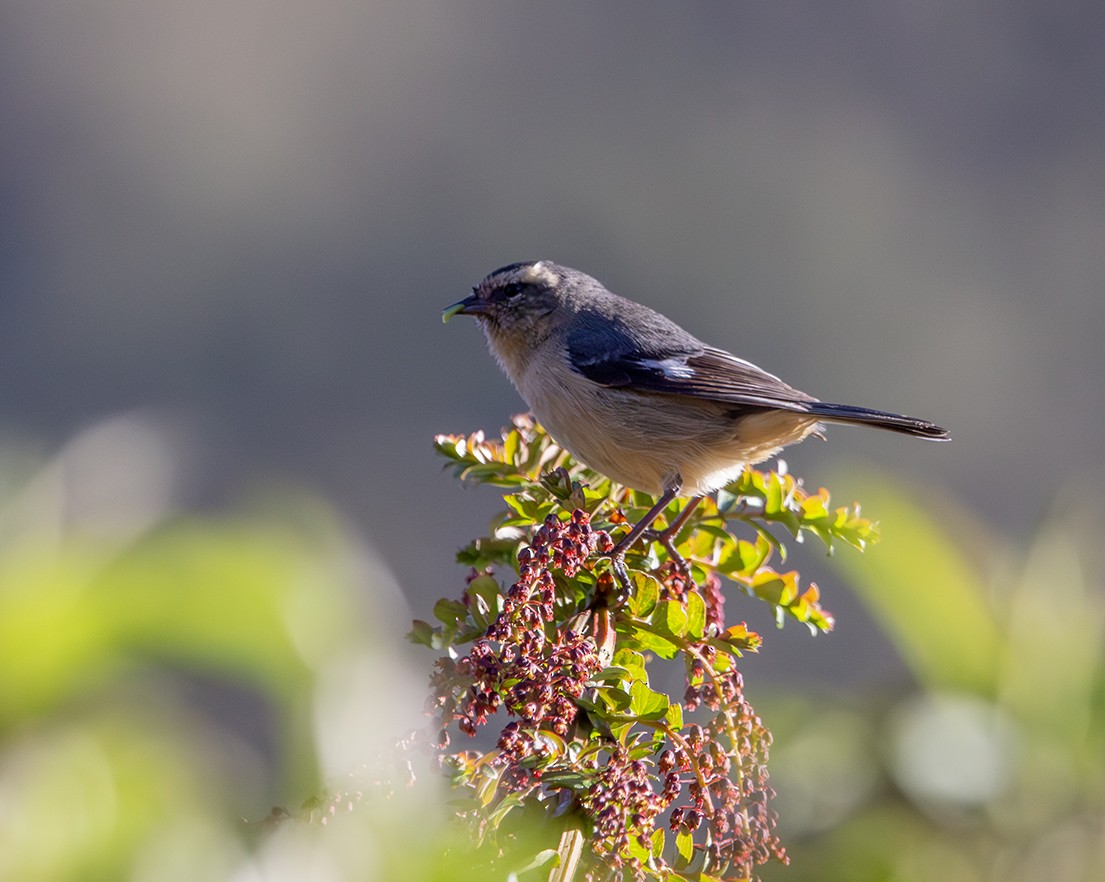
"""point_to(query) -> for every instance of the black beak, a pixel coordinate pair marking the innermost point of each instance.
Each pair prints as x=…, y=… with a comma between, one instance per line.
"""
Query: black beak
x=468, y=306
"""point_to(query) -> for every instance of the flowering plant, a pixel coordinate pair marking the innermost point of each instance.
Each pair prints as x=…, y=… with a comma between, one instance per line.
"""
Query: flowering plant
x=549, y=655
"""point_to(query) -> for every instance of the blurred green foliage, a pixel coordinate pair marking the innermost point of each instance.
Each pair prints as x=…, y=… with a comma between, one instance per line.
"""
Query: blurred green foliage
x=105, y=755
x=991, y=763
x=160, y=673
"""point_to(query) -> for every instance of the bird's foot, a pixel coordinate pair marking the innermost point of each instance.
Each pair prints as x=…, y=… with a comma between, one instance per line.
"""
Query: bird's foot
x=666, y=538
x=621, y=576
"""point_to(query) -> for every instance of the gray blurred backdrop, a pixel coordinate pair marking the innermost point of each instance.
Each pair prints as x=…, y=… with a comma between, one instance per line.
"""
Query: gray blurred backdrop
x=241, y=221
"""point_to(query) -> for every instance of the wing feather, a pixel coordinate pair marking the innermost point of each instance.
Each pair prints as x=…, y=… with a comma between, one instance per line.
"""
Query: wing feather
x=668, y=361
x=705, y=372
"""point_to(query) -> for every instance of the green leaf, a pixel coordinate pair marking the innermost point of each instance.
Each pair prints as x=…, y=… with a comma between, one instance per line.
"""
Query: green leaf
x=421, y=632
x=640, y=852
x=539, y=860
x=484, y=552
x=657, y=842
x=611, y=672
x=632, y=667
x=646, y=704
x=616, y=698
x=450, y=611
x=696, y=615
x=644, y=638
x=486, y=600
x=738, y=638
x=554, y=745
x=778, y=588
x=669, y=617
x=559, y=483
x=628, y=658
x=511, y=444
x=746, y=557
x=644, y=596
x=488, y=785
x=684, y=847
x=706, y=540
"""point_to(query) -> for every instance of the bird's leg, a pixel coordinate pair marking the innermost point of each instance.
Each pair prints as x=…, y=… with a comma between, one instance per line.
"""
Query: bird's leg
x=617, y=556
x=666, y=537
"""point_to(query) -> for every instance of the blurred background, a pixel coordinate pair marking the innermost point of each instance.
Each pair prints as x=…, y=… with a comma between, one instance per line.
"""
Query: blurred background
x=227, y=231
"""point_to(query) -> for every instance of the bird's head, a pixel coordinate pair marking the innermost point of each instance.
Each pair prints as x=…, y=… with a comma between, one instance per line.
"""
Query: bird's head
x=516, y=300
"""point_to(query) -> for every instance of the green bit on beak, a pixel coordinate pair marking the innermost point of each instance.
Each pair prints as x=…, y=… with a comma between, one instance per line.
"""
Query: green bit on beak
x=451, y=311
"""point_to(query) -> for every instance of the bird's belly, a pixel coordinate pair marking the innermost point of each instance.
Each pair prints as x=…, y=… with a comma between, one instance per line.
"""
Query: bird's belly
x=600, y=437
x=651, y=442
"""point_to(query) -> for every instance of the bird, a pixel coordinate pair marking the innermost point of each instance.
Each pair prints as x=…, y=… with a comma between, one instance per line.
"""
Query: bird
x=639, y=399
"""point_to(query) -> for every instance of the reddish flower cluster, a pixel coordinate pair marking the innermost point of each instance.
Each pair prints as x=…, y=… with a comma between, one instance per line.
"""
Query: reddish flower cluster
x=717, y=690
x=537, y=671
x=715, y=602
x=729, y=790
x=557, y=544
x=546, y=672
x=620, y=800
x=674, y=581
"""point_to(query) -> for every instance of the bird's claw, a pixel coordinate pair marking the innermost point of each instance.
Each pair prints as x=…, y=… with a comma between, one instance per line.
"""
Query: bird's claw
x=666, y=538
x=621, y=576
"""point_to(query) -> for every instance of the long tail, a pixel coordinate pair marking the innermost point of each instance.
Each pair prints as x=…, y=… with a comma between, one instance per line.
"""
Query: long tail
x=865, y=416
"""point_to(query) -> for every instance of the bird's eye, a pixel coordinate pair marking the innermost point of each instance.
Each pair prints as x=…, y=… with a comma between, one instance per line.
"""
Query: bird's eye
x=513, y=289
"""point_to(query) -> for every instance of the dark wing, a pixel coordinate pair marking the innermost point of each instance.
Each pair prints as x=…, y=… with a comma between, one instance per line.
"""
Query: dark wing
x=686, y=367
x=695, y=370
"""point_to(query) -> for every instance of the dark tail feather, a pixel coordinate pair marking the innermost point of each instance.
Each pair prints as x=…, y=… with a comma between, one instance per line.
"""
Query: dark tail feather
x=864, y=416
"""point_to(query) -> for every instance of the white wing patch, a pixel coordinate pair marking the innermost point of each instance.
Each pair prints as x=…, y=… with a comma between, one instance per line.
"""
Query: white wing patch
x=669, y=367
